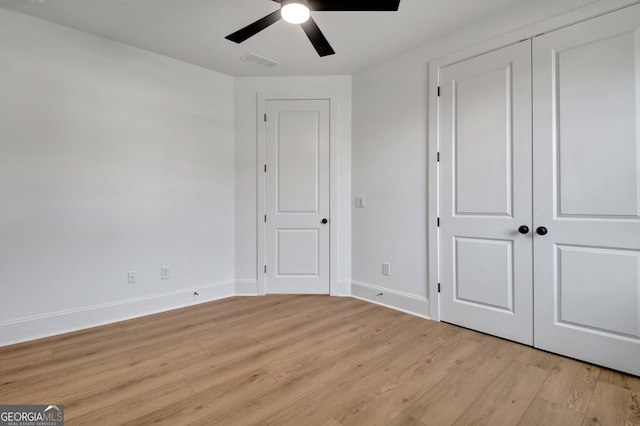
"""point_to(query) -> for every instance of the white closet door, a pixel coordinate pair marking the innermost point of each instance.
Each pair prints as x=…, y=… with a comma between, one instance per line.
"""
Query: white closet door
x=297, y=141
x=485, y=172
x=586, y=190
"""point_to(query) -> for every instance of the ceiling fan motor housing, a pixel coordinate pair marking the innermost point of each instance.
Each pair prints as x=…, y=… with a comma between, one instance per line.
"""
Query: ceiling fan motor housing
x=295, y=11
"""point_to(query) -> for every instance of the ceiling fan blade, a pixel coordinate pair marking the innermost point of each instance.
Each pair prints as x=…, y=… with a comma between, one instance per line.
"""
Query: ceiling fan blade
x=316, y=37
x=353, y=5
x=253, y=29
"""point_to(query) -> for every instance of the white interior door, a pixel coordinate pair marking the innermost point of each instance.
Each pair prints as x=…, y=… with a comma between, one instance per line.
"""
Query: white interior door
x=485, y=193
x=586, y=190
x=297, y=196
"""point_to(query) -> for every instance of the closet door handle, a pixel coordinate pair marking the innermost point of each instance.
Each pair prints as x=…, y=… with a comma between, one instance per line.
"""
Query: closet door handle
x=325, y=221
x=541, y=230
x=524, y=229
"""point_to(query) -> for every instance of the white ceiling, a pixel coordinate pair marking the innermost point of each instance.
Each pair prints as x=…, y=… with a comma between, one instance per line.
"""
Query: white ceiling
x=194, y=30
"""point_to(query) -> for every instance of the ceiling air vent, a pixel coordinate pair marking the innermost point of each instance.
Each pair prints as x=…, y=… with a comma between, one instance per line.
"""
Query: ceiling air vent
x=259, y=60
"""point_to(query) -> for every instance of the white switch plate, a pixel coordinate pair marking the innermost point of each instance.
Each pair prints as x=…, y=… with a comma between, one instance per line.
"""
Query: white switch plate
x=386, y=269
x=359, y=202
x=132, y=277
x=165, y=272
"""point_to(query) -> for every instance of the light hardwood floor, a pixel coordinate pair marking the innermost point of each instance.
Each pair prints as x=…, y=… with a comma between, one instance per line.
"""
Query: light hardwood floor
x=307, y=360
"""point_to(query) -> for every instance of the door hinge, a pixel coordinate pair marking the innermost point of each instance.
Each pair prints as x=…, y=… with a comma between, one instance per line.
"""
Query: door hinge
x=438, y=287
x=265, y=269
x=265, y=168
x=265, y=118
x=438, y=222
x=438, y=157
x=438, y=91
x=265, y=218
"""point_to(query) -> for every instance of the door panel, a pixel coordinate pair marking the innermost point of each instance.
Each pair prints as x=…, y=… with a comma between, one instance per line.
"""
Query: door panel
x=297, y=196
x=479, y=105
x=586, y=180
x=485, y=158
x=296, y=169
x=581, y=302
x=489, y=262
x=596, y=102
x=298, y=253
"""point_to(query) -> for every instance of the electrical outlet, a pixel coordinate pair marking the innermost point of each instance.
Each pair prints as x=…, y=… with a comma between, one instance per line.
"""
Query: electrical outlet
x=132, y=277
x=386, y=269
x=165, y=272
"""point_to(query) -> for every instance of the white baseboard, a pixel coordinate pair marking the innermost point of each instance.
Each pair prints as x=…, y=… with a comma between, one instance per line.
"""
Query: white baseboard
x=408, y=303
x=342, y=289
x=31, y=328
x=246, y=287
x=37, y=327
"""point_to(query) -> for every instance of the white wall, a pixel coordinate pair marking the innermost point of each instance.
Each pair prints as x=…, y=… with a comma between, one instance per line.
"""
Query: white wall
x=247, y=90
x=111, y=159
x=390, y=155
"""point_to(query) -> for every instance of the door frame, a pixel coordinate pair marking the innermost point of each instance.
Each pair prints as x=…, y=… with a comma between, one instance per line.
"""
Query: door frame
x=262, y=98
x=460, y=54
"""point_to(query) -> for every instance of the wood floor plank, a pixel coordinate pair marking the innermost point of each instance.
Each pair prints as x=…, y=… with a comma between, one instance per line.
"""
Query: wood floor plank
x=43, y=381
x=443, y=404
x=543, y=412
x=280, y=325
x=210, y=407
x=399, y=419
x=134, y=407
x=323, y=403
x=308, y=378
x=222, y=365
x=111, y=388
x=277, y=332
x=325, y=343
x=475, y=336
x=505, y=400
x=415, y=328
x=202, y=332
x=613, y=405
x=401, y=391
x=330, y=422
x=621, y=380
x=571, y=384
x=537, y=358
x=83, y=339
x=19, y=359
x=380, y=312
x=209, y=311
x=272, y=307
x=133, y=339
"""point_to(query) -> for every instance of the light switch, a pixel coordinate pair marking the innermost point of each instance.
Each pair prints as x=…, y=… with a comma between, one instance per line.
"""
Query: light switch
x=165, y=273
x=386, y=269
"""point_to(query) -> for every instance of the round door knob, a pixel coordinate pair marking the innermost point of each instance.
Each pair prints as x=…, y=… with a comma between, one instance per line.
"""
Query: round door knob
x=541, y=230
x=325, y=221
x=524, y=229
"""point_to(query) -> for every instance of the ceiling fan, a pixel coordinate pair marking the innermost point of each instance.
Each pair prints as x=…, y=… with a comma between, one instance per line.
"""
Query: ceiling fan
x=298, y=12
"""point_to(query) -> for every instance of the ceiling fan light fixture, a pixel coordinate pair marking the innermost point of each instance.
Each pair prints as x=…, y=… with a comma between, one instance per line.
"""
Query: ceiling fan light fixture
x=295, y=11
